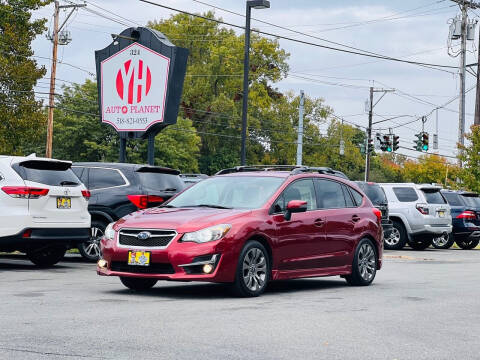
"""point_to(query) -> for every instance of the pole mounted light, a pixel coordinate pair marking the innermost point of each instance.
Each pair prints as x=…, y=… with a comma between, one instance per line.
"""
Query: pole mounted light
x=256, y=4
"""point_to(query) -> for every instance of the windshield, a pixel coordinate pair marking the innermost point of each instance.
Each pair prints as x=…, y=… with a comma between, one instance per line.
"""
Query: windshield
x=433, y=197
x=232, y=192
x=375, y=194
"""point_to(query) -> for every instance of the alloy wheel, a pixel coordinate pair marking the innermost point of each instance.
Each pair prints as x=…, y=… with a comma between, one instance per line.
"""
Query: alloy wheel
x=394, y=237
x=440, y=241
x=92, y=247
x=254, y=269
x=366, y=262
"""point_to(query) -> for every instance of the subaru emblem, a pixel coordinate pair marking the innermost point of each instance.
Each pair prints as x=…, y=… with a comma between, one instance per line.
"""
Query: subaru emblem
x=144, y=235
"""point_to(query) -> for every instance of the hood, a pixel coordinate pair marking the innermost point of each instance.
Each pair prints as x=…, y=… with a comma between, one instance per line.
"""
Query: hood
x=179, y=219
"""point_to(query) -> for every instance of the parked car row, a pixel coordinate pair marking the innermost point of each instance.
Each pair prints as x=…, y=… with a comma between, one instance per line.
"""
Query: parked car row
x=422, y=215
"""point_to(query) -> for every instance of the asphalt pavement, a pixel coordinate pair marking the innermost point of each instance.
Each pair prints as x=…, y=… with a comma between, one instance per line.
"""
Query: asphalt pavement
x=422, y=305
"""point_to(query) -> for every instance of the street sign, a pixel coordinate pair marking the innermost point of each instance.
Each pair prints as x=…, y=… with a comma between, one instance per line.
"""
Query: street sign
x=133, y=88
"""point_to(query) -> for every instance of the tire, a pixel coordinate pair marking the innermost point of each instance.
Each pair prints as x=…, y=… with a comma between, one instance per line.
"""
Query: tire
x=443, y=242
x=398, y=237
x=138, y=284
x=46, y=256
x=253, y=270
x=468, y=244
x=90, y=250
x=364, y=267
x=420, y=243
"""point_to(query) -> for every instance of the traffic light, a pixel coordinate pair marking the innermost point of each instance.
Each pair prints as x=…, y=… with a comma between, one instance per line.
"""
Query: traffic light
x=362, y=148
x=425, y=141
x=371, y=147
x=396, y=142
x=387, y=143
x=418, y=142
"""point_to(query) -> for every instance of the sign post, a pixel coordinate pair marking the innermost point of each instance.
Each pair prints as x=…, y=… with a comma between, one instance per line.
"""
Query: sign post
x=140, y=79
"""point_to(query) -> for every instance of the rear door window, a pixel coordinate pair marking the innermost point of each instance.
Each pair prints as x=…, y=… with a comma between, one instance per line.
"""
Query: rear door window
x=433, y=197
x=104, y=178
x=329, y=194
x=454, y=199
x=405, y=194
x=47, y=172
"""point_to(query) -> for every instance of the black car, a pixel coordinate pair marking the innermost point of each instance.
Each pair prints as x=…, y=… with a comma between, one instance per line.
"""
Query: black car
x=118, y=189
x=378, y=198
x=465, y=210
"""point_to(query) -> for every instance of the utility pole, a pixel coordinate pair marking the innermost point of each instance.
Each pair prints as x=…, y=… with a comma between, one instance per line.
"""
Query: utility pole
x=461, y=110
x=369, y=136
x=53, y=71
x=464, y=5
x=476, y=120
x=370, y=124
x=300, y=128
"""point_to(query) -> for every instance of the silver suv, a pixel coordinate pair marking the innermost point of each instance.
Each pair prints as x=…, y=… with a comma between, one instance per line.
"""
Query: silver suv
x=419, y=214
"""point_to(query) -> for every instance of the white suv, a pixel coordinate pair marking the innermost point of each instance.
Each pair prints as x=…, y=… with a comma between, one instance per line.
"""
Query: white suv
x=43, y=208
x=419, y=213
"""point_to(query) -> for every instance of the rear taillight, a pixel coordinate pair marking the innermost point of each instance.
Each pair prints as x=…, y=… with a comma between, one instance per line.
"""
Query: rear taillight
x=27, y=233
x=144, y=201
x=423, y=208
x=86, y=194
x=468, y=215
x=377, y=213
x=24, y=192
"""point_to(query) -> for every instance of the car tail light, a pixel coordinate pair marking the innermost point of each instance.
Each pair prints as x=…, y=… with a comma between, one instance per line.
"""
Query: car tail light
x=469, y=215
x=27, y=233
x=24, y=192
x=377, y=213
x=86, y=194
x=143, y=201
x=423, y=208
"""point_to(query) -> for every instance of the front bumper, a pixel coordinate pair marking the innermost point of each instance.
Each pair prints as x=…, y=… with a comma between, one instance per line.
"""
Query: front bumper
x=169, y=263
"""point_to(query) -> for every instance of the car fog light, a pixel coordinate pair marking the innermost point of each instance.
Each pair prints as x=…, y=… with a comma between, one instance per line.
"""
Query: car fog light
x=207, y=268
x=102, y=263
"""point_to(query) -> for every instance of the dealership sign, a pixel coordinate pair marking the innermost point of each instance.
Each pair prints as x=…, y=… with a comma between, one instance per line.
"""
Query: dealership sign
x=140, y=82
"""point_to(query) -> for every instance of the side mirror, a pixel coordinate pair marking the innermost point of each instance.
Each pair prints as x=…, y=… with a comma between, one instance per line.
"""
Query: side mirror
x=295, y=206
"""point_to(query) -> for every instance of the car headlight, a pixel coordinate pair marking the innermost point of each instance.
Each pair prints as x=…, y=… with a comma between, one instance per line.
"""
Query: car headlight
x=209, y=234
x=109, y=232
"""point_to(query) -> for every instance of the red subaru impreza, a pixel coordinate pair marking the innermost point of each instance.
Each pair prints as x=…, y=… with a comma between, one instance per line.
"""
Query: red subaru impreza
x=248, y=228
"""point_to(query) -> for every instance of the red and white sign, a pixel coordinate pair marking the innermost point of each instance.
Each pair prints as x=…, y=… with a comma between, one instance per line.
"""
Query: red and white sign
x=134, y=88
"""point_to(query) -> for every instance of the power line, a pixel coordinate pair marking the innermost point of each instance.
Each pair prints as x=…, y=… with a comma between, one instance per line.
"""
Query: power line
x=361, y=52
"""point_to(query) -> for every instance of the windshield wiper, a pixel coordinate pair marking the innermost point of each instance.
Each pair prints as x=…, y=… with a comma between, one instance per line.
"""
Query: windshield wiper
x=210, y=206
x=167, y=206
x=67, y=182
x=169, y=189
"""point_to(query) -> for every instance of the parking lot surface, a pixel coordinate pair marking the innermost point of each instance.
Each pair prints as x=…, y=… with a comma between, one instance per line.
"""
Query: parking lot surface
x=422, y=305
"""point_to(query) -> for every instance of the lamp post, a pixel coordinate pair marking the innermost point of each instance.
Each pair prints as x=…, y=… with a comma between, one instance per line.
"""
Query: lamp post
x=256, y=4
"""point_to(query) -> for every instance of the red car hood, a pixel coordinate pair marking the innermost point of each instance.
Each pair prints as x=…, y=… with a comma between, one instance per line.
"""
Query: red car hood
x=181, y=219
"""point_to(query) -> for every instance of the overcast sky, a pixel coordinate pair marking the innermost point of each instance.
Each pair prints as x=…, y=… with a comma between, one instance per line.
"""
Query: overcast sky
x=407, y=29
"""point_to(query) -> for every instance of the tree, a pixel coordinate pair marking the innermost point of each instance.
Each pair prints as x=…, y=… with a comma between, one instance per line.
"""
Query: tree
x=430, y=168
x=470, y=173
x=20, y=114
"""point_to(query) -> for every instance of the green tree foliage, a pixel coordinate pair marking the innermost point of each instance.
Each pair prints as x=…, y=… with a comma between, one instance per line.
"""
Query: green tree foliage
x=470, y=173
x=429, y=169
x=80, y=136
x=20, y=114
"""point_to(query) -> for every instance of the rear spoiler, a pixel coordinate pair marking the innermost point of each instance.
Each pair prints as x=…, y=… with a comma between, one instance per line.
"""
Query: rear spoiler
x=57, y=165
x=157, y=169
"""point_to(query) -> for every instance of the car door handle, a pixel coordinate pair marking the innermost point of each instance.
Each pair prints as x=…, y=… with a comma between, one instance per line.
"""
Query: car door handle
x=319, y=222
x=355, y=218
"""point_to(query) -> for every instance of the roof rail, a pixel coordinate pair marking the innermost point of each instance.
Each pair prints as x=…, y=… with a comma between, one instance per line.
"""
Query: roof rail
x=294, y=169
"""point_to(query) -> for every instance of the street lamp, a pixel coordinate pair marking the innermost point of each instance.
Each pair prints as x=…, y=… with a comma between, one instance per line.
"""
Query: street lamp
x=256, y=4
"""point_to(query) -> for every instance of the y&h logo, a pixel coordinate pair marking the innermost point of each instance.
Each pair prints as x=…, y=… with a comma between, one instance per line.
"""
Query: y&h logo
x=134, y=79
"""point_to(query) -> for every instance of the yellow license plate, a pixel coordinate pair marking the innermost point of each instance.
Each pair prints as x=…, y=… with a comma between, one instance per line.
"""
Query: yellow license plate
x=441, y=213
x=140, y=258
x=64, y=203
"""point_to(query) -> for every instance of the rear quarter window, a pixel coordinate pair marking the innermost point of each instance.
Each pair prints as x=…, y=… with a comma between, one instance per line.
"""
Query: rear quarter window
x=357, y=196
x=405, y=194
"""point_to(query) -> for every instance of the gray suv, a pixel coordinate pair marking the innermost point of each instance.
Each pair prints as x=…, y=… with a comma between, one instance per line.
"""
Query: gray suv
x=419, y=213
